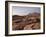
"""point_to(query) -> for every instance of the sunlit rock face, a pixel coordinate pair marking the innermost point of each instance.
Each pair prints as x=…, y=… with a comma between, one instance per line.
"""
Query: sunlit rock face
x=27, y=22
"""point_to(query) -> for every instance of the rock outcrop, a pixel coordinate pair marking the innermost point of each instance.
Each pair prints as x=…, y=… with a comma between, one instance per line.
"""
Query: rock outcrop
x=26, y=22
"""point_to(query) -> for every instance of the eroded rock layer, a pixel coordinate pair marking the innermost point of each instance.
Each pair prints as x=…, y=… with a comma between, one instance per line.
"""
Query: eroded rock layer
x=28, y=22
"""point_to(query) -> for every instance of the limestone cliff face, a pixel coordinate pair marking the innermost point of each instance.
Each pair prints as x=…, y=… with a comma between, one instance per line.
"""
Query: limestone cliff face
x=28, y=22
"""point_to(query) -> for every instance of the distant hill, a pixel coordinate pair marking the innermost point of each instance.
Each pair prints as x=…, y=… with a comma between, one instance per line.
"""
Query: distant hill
x=29, y=15
x=34, y=14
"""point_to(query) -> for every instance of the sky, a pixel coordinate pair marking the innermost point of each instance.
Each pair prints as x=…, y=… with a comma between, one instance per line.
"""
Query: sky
x=16, y=10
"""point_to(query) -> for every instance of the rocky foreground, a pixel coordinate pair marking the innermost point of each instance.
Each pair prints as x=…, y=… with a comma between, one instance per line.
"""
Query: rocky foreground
x=28, y=22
